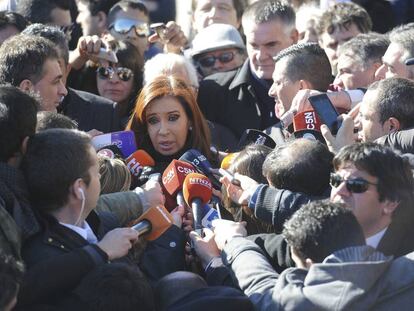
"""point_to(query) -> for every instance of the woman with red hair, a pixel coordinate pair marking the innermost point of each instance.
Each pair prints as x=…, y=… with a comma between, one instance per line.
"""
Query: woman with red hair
x=167, y=120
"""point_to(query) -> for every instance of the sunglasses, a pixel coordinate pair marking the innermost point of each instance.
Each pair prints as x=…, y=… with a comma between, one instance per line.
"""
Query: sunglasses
x=209, y=61
x=355, y=185
x=123, y=26
x=124, y=74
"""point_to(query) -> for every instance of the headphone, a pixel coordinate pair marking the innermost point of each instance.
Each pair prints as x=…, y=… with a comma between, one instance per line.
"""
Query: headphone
x=82, y=193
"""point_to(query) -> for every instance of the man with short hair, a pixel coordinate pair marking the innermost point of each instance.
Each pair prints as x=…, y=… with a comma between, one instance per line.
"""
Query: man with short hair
x=338, y=24
x=31, y=63
x=48, y=12
x=17, y=122
x=329, y=250
x=207, y=12
x=289, y=166
x=385, y=210
x=359, y=59
x=93, y=16
x=400, y=49
x=128, y=20
x=386, y=108
x=90, y=111
x=300, y=66
x=11, y=24
x=62, y=173
x=377, y=184
x=217, y=48
x=239, y=99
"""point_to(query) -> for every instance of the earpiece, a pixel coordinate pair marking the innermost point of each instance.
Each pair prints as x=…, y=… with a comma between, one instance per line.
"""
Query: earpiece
x=82, y=193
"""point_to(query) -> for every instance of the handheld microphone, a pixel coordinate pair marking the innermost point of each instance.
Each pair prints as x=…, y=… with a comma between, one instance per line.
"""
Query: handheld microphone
x=201, y=163
x=197, y=190
x=170, y=201
x=173, y=178
x=124, y=140
x=153, y=223
x=137, y=160
x=255, y=137
x=209, y=215
x=307, y=125
x=111, y=151
x=228, y=160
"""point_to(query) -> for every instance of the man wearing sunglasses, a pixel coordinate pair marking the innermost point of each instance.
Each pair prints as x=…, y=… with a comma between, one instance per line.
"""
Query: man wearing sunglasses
x=129, y=20
x=374, y=181
x=218, y=48
x=239, y=99
x=91, y=112
x=378, y=185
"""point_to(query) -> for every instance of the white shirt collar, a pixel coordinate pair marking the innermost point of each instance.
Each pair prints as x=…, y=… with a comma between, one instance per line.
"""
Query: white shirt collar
x=374, y=240
x=85, y=231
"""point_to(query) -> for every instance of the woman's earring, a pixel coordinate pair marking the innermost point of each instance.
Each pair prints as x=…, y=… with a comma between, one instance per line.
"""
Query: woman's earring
x=190, y=128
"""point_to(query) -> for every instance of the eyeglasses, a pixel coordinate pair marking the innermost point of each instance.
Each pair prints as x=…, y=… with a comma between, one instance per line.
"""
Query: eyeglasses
x=123, y=26
x=124, y=74
x=209, y=61
x=355, y=185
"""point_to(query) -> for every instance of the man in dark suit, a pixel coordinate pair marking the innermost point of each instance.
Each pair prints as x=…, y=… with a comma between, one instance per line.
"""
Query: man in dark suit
x=88, y=110
x=239, y=99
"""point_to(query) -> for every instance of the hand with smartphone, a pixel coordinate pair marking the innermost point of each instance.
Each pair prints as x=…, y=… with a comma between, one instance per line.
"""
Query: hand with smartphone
x=326, y=112
x=91, y=48
x=345, y=135
x=170, y=35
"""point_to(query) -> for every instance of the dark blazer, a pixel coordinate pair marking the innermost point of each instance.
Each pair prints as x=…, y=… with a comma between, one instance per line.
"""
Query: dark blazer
x=58, y=258
x=91, y=111
x=228, y=98
x=275, y=206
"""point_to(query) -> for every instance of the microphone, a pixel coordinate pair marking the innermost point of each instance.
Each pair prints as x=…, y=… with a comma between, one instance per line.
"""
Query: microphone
x=202, y=165
x=173, y=178
x=170, y=201
x=136, y=161
x=228, y=160
x=153, y=223
x=197, y=190
x=255, y=137
x=111, y=151
x=307, y=125
x=209, y=215
x=124, y=140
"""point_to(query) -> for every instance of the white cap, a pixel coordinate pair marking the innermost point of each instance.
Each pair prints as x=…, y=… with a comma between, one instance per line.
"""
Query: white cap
x=216, y=37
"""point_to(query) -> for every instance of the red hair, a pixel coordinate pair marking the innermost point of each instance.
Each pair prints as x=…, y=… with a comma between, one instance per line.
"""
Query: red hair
x=170, y=86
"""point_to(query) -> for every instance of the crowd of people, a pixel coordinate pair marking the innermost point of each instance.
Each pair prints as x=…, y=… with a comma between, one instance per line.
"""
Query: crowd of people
x=261, y=159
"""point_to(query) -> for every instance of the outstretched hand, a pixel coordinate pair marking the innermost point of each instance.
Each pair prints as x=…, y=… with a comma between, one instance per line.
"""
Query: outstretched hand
x=240, y=194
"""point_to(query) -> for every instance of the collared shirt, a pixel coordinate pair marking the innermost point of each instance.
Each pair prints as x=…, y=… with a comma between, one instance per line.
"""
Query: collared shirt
x=85, y=231
x=374, y=240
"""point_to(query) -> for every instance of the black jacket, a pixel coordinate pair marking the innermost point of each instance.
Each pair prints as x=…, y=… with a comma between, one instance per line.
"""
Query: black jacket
x=58, y=258
x=90, y=111
x=228, y=98
x=276, y=206
x=400, y=140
